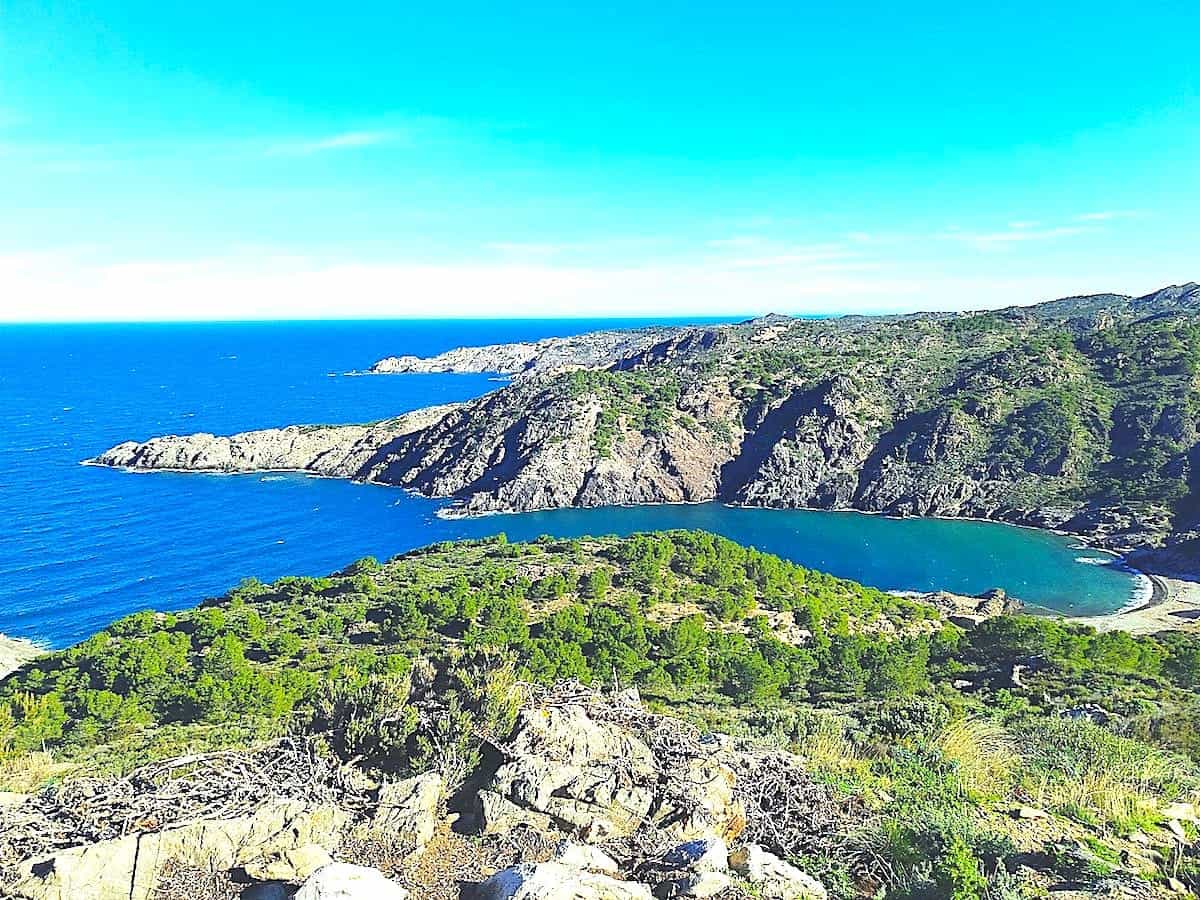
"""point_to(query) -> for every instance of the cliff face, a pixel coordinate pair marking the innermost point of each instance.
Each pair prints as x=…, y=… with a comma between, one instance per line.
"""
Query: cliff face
x=1080, y=414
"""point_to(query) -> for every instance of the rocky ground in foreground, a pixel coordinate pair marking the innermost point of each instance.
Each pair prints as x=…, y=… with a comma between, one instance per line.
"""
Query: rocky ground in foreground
x=590, y=798
x=788, y=729
x=1078, y=414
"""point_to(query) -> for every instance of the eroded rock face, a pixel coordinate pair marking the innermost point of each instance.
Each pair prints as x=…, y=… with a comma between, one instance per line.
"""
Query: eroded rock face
x=586, y=777
x=408, y=809
x=285, y=840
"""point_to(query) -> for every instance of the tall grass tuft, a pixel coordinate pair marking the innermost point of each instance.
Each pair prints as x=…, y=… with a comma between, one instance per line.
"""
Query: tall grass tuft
x=1087, y=773
x=983, y=754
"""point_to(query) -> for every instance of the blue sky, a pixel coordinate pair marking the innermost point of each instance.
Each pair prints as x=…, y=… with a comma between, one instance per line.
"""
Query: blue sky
x=272, y=160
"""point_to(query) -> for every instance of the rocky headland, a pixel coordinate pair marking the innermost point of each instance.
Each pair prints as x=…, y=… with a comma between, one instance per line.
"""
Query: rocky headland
x=1079, y=415
x=524, y=358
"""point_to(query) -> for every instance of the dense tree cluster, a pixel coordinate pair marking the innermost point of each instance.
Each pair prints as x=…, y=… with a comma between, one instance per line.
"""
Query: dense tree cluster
x=682, y=614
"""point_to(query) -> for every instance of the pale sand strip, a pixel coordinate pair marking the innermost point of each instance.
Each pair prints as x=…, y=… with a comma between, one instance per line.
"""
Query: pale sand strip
x=16, y=651
x=1174, y=605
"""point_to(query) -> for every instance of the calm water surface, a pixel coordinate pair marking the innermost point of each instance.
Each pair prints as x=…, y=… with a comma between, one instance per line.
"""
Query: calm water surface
x=80, y=546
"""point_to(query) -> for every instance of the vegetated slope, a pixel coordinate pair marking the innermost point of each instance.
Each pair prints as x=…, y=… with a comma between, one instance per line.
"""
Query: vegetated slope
x=403, y=667
x=1079, y=414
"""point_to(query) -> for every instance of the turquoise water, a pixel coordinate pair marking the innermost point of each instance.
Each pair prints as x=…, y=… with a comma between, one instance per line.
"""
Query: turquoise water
x=80, y=546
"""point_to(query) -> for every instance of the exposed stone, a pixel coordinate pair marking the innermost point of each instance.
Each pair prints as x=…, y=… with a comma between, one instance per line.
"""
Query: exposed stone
x=1031, y=812
x=774, y=878
x=1184, y=812
x=583, y=776
x=289, y=864
x=409, y=808
x=584, y=857
x=281, y=837
x=342, y=881
x=708, y=805
x=15, y=652
x=695, y=884
x=557, y=881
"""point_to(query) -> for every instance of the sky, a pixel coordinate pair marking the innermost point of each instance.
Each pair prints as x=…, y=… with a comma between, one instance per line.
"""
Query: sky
x=308, y=160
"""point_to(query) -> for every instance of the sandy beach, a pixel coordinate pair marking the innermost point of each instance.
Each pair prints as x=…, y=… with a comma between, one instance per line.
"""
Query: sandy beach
x=1174, y=604
x=14, y=652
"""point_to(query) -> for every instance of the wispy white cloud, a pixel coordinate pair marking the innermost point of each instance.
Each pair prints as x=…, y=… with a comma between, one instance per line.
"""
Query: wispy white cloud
x=347, y=140
x=66, y=286
x=1016, y=233
x=1106, y=215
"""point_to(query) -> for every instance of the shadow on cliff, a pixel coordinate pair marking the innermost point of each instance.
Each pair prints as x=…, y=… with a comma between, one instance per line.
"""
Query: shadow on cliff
x=419, y=453
x=766, y=427
x=913, y=432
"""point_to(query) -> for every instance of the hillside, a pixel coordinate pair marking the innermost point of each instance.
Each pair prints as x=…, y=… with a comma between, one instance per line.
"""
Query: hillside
x=442, y=699
x=1079, y=414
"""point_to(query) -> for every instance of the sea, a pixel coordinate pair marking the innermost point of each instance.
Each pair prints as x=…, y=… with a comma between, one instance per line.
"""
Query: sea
x=82, y=545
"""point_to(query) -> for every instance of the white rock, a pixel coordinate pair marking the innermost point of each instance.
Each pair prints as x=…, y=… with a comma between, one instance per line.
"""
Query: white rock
x=702, y=884
x=1032, y=812
x=342, y=881
x=1184, y=812
x=584, y=858
x=556, y=881
x=775, y=878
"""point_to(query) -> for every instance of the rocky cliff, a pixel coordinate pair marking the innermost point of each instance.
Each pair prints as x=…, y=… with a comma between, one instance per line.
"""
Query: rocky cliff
x=600, y=348
x=1079, y=414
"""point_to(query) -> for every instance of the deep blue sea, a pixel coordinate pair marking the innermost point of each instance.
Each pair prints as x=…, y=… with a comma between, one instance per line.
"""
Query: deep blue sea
x=80, y=546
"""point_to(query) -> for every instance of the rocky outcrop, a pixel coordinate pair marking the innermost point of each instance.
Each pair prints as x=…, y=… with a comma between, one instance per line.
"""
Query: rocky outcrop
x=338, y=451
x=344, y=881
x=566, y=771
x=595, y=350
x=285, y=841
x=557, y=881
x=772, y=878
x=664, y=802
x=410, y=808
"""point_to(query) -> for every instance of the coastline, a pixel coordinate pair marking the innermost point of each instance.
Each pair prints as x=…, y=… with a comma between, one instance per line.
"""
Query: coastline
x=15, y=652
x=1161, y=603
x=1174, y=605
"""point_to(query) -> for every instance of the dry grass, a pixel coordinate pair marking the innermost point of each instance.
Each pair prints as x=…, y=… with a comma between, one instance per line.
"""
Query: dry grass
x=23, y=774
x=984, y=755
x=829, y=752
x=1098, y=778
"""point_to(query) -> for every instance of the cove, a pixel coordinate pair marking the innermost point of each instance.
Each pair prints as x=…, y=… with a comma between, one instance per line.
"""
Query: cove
x=81, y=546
